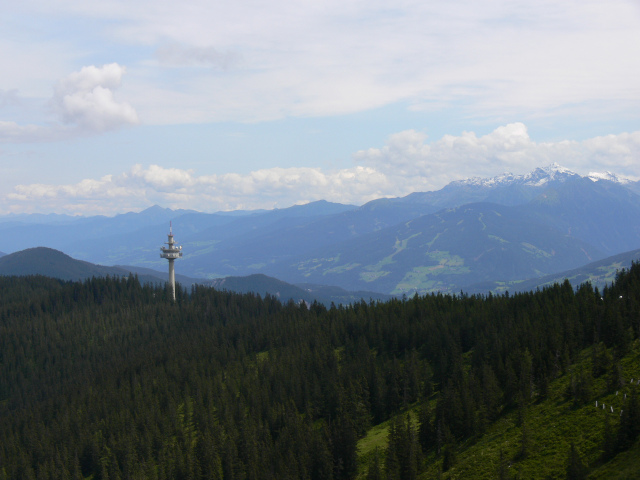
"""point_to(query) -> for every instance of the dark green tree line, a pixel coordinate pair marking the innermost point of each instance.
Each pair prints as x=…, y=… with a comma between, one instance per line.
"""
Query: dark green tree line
x=110, y=379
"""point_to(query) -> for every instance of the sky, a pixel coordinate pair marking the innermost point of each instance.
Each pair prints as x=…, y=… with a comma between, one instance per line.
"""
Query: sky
x=114, y=106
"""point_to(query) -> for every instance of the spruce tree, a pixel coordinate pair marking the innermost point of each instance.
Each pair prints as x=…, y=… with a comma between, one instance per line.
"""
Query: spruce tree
x=576, y=469
x=426, y=432
x=374, y=471
x=609, y=443
x=629, y=423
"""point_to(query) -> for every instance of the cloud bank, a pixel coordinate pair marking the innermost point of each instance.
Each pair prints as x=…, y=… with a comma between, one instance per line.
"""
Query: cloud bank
x=83, y=103
x=407, y=163
x=253, y=61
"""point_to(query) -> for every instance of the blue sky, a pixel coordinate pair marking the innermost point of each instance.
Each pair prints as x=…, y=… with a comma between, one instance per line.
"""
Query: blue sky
x=112, y=106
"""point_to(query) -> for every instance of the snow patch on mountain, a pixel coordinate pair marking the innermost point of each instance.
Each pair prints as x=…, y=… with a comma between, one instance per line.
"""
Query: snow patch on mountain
x=540, y=177
x=537, y=178
x=610, y=176
x=503, y=179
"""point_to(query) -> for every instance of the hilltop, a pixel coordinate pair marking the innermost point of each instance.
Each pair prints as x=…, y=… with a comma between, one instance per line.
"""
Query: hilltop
x=53, y=263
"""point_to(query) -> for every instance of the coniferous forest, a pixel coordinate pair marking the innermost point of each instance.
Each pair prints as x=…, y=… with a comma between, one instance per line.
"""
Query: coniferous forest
x=109, y=379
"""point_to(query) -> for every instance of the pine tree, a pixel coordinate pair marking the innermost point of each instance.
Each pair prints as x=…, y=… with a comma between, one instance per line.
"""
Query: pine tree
x=426, y=432
x=321, y=458
x=344, y=442
x=409, y=457
x=576, y=469
x=374, y=471
x=614, y=379
x=608, y=440
x=525, y=382
x=448, y=457
x=629, y=423
x=524, y=440
x=491, y=393
x=600, y=359
x=502, y=467
x=392, y=461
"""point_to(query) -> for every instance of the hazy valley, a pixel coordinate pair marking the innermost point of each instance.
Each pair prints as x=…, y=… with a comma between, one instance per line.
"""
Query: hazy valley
x=469, y=235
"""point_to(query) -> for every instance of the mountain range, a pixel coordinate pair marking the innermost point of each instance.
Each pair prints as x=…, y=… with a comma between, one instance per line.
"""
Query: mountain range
x=53, y=263
x=492, y=231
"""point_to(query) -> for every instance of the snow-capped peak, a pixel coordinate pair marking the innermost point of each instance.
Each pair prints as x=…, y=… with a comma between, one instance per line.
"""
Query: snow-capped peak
x=501, y=179
x=556, y=168
x=536, y=178
x=542, y=175
x=612, y=177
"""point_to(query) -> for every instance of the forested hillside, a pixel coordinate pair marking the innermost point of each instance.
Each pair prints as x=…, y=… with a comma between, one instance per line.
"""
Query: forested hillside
x=108, y=379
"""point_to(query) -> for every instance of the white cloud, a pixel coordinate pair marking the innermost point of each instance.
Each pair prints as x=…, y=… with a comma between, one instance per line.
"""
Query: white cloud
x=417, y=165
x=616, y=152
x=161, y=179
x=84, y=103
x=86, y=99
x=283, y=58
x=144, y=186
x=407, y=163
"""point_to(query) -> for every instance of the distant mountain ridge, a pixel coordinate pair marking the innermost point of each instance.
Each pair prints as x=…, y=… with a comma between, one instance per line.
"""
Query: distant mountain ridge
x=538, y=177
x=509, y=189
x=421, y=242
x=56, y=264
x=542, y=176
x=53, y=263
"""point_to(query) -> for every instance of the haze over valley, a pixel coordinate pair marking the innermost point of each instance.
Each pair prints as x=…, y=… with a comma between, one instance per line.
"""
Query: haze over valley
x=494, y=232
x=478, y=235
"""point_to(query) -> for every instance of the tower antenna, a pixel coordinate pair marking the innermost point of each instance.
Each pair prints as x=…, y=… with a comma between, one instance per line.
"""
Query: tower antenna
x=171, y=252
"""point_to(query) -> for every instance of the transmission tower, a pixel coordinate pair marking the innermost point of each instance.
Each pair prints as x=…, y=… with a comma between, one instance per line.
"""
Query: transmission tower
x=171, y=252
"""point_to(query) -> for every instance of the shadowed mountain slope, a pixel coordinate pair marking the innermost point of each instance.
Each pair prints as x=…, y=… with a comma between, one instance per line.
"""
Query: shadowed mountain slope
x=445, y=251
x=604, y=214
x=599, y=274
x=53, y=263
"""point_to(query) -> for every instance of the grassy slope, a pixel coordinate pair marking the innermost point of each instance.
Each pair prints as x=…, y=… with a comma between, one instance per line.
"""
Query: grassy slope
x=551, y=424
